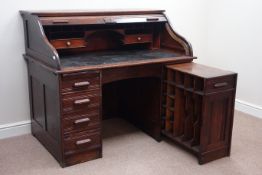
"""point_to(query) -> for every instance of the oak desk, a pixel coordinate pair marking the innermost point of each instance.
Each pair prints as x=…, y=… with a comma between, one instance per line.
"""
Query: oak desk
x=86, y=66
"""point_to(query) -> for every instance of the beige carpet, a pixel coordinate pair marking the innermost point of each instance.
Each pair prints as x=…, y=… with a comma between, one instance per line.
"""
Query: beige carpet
x=128, y=151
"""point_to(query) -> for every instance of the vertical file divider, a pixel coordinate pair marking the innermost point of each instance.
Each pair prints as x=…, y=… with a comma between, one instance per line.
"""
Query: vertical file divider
x=169, y=107
x=164, y=92
x=179, y=105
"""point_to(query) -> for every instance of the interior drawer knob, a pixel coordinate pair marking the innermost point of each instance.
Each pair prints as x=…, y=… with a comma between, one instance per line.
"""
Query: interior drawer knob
x=68, y=43
x=81, y=84
x=81, y=142
x=218, y=85
x=83, y=120
x=139, y=38
x=82, y=101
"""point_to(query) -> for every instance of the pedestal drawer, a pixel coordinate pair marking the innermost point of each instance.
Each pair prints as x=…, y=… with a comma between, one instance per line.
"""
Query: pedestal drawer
x=77, y=84
x=86, y=140
x=83, y=156
x=81, y=101
x=81, y=122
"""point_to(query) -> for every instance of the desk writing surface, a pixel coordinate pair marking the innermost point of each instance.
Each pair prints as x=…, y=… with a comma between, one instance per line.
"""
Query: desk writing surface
x=110, y=57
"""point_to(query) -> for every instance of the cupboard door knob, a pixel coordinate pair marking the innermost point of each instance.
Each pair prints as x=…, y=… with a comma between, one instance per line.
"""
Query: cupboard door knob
x=83, y=120
x=81, y=142
x=81, y=84
x=139, y=38
x=82, y=101
x=217, y=85
x=68, y=43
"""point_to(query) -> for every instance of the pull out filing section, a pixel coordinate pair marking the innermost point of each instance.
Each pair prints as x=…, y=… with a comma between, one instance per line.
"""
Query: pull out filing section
x=197, y=112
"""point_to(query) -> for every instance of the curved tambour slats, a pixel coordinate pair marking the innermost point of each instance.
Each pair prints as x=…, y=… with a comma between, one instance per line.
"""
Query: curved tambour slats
x=178, y=38
x=37, y=44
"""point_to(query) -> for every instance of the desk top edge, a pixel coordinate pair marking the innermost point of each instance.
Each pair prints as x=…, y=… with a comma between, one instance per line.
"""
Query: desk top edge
x=57, y=13
x=200, y=70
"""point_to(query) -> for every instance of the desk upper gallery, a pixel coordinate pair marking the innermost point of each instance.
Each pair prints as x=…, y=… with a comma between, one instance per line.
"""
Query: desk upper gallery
x=86, y=66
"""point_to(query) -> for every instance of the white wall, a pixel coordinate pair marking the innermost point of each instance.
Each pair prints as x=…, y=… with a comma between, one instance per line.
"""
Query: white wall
x=235, y=43
x=188, y=17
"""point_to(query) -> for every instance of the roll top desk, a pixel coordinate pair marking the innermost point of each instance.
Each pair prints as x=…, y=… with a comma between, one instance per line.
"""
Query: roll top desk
x=86, y=66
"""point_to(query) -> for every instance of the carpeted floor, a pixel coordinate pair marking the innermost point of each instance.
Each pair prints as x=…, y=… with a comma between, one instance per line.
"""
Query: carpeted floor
x=128, y=151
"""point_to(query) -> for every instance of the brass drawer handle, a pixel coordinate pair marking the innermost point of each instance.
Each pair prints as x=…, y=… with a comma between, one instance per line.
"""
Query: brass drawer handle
x=81, y=84
x=217, y=85
x=83, y=120
x=82, y=101
x=81, y=142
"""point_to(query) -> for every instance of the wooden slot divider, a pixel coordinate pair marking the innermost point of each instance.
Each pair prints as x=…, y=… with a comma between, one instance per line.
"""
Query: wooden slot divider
x=169, y=113
x=179, y=113
x=197, y=120
x=188, y=123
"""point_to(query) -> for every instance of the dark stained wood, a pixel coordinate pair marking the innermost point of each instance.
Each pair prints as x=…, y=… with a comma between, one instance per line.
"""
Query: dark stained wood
x=68, y=43
x=116, y=74
x=192, y=104
x=85, y=140
x=76, y=20
x=93, y=12
x=45, y=107
x=204, y=105
x=200, y=70
x=185, y=44
x=137, y=38
x=78, y=122
x=37, y=44
x=142, y=106
x=82, y=156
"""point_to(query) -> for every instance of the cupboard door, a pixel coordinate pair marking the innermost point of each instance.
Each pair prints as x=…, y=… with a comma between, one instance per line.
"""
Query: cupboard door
x=217, y=121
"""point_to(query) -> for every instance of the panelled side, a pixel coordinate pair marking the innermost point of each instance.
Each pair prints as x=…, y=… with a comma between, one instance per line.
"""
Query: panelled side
x=45, y=110
x=216, y=125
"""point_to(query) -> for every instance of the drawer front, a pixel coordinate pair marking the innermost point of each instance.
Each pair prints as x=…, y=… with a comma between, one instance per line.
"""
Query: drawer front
x=82, y=156
x=79, y=123
x=80, y=81
x=81, y=101
x=79, y=75
x=220, y=83
x=137, y=38
x=68, y=43
x=82, y=141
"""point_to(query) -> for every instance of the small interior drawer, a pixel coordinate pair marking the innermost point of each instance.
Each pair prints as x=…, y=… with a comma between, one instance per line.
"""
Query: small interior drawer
x=68, y=43
x=137, y=38
x=220, y=83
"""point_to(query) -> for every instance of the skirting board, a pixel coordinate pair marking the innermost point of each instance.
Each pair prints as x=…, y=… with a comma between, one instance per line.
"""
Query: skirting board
x=15, y=129
x=20, y=128
x=248, y=108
